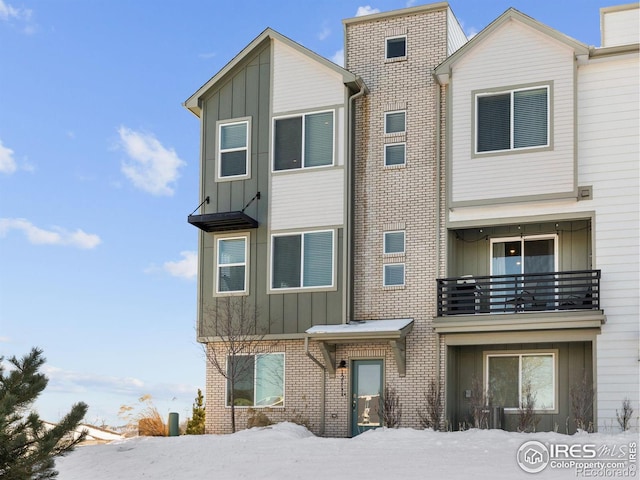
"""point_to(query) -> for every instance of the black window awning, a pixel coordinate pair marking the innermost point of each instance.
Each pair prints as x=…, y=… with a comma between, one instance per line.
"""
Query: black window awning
x=221, y=222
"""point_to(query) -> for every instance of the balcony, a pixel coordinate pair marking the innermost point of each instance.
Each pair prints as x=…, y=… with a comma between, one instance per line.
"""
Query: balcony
x=534, y=292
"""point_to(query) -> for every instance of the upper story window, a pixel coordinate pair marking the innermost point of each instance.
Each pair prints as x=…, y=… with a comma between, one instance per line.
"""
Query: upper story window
x=231, y=264
x=512, y=120
x=303, y=141
x=394, y=242
x=395, y=122
x=394, y=154
x=396, y=47
x=302, y=260
x=233, y=150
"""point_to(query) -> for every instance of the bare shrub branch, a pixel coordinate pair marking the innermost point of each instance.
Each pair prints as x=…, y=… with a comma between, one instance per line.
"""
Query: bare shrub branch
x=431, y=416
x=581, y=395
x=391, y=408
x=624, y=417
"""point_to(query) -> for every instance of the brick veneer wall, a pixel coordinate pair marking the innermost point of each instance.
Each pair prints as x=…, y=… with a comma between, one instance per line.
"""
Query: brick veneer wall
x=405, y=197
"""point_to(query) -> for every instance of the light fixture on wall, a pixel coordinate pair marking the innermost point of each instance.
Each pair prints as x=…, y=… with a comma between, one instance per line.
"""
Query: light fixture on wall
x=342, y=367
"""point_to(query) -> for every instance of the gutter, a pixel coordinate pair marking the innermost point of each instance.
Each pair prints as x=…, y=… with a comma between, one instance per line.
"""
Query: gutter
x=324, y=385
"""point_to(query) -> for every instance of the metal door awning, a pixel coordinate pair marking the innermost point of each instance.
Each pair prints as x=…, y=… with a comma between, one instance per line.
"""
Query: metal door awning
x=393, y=331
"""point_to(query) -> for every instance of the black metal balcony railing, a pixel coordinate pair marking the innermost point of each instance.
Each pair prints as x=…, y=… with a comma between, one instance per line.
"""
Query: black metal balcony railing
x=535, y=292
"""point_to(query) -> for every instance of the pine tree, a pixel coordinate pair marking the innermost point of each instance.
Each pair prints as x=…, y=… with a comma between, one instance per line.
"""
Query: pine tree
x=27, y=448
x=195, y=425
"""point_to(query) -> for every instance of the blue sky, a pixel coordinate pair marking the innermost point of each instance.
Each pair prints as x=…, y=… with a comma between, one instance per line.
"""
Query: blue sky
x=99, y=170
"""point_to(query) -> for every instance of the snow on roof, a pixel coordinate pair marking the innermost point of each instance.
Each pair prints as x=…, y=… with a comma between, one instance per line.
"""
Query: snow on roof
x=364, y=326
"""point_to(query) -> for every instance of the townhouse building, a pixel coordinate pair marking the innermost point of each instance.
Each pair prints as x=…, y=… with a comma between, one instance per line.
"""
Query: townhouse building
x=441, y=215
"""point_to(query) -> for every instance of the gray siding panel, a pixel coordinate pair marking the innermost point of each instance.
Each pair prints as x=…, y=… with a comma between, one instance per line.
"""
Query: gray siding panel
x=246, y=93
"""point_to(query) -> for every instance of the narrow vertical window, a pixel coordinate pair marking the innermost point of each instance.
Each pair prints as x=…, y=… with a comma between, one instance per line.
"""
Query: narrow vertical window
x=231, y=265
x=233, y=150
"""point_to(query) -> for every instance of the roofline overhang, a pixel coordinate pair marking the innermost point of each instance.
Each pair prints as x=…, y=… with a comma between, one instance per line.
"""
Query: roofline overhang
x=350, y=80
x=442, y=72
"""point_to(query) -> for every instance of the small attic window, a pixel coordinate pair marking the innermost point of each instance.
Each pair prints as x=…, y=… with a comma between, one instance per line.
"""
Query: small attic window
x=396, y=47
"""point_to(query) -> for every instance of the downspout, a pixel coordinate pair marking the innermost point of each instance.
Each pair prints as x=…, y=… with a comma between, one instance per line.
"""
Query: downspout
x=348, y=234
x=324, y=383
x=438, y=106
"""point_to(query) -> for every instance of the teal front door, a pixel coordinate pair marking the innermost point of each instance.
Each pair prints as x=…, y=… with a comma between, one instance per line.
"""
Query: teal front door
x=366, y=395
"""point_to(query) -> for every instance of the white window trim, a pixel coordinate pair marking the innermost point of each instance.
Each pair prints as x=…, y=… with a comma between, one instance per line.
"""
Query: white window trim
x=511, y=131
x=526, y=353
x=232, y=236
x=405, y=122
x=404, y=275
x=271, y=289
x=396, y=165
x=220, y=151
x=404, y=242
x=284, y=373
x=303, y=166
x=523, y=239
x=386, y=47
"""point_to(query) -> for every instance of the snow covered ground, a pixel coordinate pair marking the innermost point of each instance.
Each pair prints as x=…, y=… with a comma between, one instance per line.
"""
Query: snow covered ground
x=289, y=451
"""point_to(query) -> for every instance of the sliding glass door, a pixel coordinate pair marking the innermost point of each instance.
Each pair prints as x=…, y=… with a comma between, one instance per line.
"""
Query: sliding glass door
x=516, y=257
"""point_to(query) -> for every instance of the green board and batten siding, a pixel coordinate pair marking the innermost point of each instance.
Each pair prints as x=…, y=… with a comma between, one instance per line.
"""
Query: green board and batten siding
x=245, y=92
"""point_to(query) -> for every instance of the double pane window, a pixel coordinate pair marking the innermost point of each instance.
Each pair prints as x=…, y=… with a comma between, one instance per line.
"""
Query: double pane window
x=512, y=120
x=302, y=260
x=233, y=154
x=256, y=380
x=231, y=265
x=303, y=141
x=512, y=379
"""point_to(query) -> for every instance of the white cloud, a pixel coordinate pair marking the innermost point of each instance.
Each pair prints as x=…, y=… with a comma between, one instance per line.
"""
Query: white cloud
x=338, y=57
x=185, y=268
x=5, y=340
x=326, y=31
x=207, y=55
x=55, y=236
x=61, y=380
x=7, y=11
x=152, y=167
x=366, y=10
x=23, y=15
x=7, y=162
x=411, y=3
